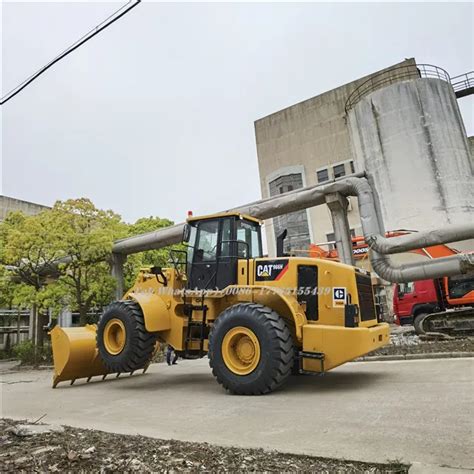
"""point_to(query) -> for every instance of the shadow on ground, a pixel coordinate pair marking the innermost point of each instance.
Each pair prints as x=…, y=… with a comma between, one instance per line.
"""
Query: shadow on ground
x=206, y=383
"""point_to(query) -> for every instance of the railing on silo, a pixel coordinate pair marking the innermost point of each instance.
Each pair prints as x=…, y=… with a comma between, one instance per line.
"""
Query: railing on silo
x=391, y=76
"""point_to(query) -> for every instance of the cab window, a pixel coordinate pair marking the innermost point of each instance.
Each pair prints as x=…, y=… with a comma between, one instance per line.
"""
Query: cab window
x=226, y=237
x=406, y=288
x=460, y=285
x=206, y=244
x=248, y=232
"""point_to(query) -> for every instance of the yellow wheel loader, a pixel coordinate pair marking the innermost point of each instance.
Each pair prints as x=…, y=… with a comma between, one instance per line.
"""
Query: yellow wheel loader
x=258, y=319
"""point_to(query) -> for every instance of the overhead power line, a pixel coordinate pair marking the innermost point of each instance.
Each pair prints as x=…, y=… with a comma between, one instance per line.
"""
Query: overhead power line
x=123, y=10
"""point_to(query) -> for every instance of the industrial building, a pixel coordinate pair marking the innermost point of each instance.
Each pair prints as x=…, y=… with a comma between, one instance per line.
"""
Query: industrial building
x=400, y=125
x=8, y=204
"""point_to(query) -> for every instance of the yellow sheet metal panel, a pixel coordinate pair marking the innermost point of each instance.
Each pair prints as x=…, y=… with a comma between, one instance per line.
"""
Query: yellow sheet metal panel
x=155, y=311
x=340, y=344
x=223, y=214
x=75, y=354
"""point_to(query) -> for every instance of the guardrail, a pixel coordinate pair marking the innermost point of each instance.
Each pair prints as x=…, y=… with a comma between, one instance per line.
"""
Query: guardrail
x=463, y=84
x=397, y=74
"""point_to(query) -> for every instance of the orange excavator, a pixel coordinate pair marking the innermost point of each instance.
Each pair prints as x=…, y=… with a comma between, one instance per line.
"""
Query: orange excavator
x=444, y=305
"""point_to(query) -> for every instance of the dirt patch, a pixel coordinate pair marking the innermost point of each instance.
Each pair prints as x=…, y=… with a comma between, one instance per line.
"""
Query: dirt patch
x=403, y=340
x=88, y=450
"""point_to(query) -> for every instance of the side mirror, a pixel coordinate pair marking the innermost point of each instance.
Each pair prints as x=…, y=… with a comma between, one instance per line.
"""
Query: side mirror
x=157, y=271
x=186, y=232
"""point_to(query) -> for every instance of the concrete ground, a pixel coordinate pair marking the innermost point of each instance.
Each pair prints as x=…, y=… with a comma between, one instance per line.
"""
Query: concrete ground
x=413, y=411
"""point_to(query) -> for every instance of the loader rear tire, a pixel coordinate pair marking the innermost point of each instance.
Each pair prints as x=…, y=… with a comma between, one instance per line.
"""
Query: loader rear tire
x=251, y=350
x=122, y=340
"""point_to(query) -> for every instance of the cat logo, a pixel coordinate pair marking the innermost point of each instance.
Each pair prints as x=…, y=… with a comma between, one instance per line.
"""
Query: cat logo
x=339, y=296
x=271, y=270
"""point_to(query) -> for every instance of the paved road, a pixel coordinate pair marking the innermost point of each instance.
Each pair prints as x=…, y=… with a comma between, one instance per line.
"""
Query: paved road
x=419, y=410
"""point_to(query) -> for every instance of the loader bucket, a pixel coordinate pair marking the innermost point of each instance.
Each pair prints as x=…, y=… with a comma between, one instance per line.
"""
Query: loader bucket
x=75, y=354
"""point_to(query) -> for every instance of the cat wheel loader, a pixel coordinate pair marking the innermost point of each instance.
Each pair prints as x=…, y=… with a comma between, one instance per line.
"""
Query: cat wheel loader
x=258, y=319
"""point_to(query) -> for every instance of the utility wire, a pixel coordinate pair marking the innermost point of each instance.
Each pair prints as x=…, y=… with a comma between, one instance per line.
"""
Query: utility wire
x=100, y=27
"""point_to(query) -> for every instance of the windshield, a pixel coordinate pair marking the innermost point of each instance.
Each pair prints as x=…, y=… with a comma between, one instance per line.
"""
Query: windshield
x=460, y=285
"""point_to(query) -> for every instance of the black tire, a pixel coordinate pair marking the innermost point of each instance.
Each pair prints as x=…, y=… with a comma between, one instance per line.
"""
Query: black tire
x=139, y=343
x=276, y=349
x=418, y=323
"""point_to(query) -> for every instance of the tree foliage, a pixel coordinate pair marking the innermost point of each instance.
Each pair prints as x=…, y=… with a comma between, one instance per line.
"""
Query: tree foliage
x=60, y=258
x=87, y=234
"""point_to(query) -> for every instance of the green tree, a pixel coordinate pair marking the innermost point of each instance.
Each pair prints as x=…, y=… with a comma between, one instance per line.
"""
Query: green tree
x=28, y=251
x=61, y=257
x=87, y=236
x=149, y=258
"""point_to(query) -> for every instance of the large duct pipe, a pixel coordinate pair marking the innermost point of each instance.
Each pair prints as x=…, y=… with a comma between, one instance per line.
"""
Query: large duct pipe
x=375, y=236
x=379, y=245
x=372, y=229
x=149, y=241
x=263, y=209
x=436, y=268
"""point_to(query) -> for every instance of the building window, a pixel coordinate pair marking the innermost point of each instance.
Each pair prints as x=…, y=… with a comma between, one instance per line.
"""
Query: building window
x=339, y=171
x=351, y=164
x=323, y=175
x=286, y=189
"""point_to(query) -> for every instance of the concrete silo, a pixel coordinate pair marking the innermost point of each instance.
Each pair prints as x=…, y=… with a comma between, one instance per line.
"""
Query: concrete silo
x=410, y=138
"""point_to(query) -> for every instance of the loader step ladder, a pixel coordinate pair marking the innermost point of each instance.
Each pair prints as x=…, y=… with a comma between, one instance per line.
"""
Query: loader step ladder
x=310, y=355
x=189, y=309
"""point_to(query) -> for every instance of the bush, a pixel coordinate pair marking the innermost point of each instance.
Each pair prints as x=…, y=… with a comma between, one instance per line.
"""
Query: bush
x=25, y=353
x=4, y=354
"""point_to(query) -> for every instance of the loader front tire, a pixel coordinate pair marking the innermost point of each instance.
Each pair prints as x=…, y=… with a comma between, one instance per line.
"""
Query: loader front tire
x=122, y=340
x=251, y=350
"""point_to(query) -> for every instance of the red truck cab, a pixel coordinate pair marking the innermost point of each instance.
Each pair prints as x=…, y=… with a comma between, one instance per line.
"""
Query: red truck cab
x=414, y=298
x=427, y=296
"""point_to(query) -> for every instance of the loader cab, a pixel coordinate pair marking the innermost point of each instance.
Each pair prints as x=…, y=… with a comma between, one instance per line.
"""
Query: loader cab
x=215, y=244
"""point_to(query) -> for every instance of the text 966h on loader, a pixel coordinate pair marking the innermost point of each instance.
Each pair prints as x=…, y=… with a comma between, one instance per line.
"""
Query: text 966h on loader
x=258, y=319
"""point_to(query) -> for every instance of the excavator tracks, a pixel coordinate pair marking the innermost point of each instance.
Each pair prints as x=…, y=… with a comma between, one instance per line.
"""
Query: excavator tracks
x=459, y=322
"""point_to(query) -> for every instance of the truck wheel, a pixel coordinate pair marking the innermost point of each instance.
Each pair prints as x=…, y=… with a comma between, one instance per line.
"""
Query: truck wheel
x=250, y=349
x=122, y=340
x=418, y=323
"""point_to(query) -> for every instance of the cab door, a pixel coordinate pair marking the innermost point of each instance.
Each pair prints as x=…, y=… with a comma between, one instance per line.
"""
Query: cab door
x=214, y=264
x=406, y=299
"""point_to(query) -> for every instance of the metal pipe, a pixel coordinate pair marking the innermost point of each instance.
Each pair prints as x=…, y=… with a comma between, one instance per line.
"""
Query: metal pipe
x=373, y=231
x=263, y=209
x=149, y=241
x=374, y=235
x=338, y=206
x=436, y=268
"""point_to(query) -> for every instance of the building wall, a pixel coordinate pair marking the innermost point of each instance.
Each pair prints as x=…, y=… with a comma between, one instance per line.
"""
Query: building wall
x=314, y=137
x=8, y=204
x=471, y=146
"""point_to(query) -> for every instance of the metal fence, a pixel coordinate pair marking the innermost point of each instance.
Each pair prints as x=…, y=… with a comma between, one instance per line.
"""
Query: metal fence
x=14, y=327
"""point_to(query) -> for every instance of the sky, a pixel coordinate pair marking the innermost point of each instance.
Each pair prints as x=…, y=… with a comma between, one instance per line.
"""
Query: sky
x=154, y=116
